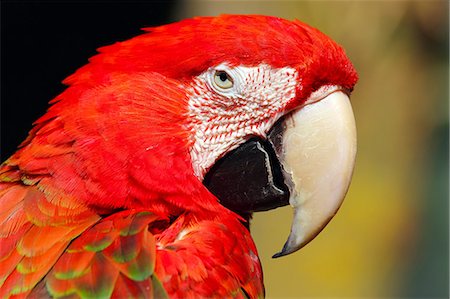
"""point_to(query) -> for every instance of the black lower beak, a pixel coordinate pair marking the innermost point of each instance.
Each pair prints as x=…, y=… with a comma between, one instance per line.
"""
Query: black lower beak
x=249, y=179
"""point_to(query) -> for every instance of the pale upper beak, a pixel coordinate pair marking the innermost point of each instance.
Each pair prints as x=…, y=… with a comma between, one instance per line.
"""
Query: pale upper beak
x=318, y=149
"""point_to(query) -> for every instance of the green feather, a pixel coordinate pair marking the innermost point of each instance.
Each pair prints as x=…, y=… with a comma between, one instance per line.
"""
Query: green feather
x=158, y=289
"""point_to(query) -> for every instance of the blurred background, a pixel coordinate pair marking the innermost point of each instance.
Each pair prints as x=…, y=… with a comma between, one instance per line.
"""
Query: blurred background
x=390, y=238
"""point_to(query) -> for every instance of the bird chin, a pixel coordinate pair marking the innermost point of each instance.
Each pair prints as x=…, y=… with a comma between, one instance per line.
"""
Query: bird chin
x=306, y=161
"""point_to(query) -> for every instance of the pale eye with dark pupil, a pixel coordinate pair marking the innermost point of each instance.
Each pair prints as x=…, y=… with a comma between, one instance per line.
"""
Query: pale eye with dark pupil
x=223, y=80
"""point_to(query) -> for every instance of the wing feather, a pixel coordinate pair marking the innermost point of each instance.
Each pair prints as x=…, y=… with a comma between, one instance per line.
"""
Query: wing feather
x=117, y=259
x=51, y=246
x=30, y=242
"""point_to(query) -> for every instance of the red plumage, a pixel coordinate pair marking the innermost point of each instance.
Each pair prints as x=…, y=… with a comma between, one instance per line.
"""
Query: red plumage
x=101, y=199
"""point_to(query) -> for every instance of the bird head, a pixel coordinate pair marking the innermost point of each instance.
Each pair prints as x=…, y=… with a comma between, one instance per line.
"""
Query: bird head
x=253, y=111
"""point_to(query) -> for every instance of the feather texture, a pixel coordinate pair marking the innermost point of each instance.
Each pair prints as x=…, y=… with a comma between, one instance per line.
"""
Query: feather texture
x=127, y=255
x=101, y=200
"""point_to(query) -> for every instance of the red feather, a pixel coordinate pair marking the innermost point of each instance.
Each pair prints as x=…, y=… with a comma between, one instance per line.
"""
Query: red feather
x=101, y=198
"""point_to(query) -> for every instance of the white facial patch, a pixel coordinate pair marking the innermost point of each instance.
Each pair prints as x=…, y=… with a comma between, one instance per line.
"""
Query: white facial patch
x=224, y=118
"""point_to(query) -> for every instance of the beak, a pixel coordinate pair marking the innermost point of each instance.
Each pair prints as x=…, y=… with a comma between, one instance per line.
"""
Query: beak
x=306, y=161
x=317, y=150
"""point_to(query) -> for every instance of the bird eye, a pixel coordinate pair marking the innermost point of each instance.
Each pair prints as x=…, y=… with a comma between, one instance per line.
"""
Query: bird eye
x=223, y=80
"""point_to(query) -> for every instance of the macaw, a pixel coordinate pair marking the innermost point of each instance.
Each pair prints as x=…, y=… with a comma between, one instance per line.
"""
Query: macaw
x=141, y=178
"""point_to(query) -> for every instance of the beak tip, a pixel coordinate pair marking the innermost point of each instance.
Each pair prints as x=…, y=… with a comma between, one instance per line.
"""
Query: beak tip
x=283, y=252
x=277, y=255
x=287, y=249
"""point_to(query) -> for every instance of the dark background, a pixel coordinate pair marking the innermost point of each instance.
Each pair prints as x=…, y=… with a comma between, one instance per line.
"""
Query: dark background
x=43, y=43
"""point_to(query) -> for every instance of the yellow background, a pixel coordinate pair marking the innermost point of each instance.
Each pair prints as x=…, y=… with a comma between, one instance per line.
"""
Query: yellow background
x=390, y=237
